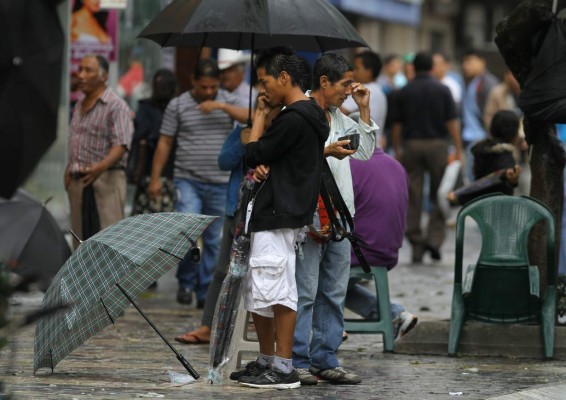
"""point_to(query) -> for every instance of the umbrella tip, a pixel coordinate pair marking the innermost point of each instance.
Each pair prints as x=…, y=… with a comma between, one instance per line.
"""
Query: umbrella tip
x=75, y=236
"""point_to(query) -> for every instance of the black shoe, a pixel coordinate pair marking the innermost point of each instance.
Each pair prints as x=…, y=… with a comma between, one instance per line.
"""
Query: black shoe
x=184, y=296
x=252, y=368
x=200, y=304
x=272, y=379
x=418, y=252
x=434, y=252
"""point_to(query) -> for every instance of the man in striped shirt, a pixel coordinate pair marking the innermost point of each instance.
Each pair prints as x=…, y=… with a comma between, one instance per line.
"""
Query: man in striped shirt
x=99, y=136
x=199, y=120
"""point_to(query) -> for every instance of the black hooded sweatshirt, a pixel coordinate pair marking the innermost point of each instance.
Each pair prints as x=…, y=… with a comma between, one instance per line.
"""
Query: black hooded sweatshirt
x=293, y=148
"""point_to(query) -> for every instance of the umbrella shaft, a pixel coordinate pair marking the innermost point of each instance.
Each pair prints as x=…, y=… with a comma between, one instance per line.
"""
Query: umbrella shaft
x=143, y=314
x=180, y=357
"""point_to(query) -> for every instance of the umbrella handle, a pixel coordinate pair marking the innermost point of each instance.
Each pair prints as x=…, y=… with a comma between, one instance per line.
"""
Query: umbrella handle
x=180, y=357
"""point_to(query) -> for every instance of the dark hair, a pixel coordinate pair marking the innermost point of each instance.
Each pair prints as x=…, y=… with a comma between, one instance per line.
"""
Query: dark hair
x=422, y=62
x=331, y=65
x=371, y=60
x=101, y=60
x=278, y=59
x=306, y=81
x=207, y=68
x=164, y=87
x=504, y=126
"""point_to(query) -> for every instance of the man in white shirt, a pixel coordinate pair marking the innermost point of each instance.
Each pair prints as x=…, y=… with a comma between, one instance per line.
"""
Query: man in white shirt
x=367, y=66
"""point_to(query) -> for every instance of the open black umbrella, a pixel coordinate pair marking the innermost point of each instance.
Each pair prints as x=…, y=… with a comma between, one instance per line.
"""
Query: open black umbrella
x=31, y=65
x=313, y=25
x=31, y=242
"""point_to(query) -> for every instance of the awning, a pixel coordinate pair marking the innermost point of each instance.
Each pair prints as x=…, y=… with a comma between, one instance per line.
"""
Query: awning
x=400, y=11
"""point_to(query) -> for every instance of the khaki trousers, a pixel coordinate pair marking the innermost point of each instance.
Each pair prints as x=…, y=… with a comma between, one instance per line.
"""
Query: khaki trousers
x=110, y=195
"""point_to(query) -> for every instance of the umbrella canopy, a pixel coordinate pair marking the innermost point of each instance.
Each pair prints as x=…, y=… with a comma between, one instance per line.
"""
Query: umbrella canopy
x=31, y=66
x=543, y=95
x=31, y=242
x=132, y=253
x=313, y=25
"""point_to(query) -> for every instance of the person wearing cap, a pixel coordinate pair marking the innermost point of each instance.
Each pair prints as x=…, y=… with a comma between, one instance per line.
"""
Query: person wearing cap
x=232, y=67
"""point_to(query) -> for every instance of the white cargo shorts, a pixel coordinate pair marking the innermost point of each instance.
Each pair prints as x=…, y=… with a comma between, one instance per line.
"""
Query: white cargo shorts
x=271, y=271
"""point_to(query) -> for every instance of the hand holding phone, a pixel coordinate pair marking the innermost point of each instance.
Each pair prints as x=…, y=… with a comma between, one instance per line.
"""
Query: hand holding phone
x=354, y=141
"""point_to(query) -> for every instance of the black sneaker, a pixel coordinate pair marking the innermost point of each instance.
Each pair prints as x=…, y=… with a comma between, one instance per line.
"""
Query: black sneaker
x=335, y=375
x=184, y=296
x=272, y=379
x=251, y=369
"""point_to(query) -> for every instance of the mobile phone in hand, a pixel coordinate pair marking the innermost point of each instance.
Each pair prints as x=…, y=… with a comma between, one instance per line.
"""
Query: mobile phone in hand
x=354, y=141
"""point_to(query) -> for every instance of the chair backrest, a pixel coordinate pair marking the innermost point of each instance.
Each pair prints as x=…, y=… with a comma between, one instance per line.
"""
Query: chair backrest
x=504, y=223
x=501, y=290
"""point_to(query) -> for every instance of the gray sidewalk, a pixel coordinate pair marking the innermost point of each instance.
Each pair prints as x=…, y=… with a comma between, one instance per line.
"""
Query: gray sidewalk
x=128, y=360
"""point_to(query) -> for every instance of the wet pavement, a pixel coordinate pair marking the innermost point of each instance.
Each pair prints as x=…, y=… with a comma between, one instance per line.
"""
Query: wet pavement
x=129, y=361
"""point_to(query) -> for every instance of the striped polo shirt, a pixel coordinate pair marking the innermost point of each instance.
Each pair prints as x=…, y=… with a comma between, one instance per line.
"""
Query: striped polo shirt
x=92, y=133
x=199, y=137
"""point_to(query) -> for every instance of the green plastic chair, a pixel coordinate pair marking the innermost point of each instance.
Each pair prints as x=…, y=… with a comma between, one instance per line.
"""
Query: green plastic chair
x=502, y=287
x=384, y=324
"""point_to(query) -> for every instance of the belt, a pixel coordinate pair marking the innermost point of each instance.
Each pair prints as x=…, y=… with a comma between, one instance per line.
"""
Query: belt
x=79, y=175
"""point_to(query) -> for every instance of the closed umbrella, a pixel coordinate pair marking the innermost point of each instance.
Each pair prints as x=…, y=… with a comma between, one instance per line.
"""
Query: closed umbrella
x=106, y=273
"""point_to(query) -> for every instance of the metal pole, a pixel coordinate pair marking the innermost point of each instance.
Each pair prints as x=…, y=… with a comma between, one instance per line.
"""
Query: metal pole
x=180, y=357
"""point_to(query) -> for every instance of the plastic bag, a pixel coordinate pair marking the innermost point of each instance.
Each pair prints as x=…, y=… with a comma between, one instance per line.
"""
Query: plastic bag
x=221, y=346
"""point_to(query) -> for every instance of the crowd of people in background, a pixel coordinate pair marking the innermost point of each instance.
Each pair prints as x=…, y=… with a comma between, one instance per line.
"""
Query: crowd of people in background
x=191, y=151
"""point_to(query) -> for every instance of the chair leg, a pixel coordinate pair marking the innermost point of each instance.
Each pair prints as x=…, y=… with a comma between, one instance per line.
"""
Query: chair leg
x=456, y=319
x=240, y=339
x=548, y=319
x=382, y=286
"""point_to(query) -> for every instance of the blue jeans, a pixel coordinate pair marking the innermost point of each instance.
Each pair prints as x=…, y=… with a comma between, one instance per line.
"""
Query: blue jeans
x=363, y=301
x=322, y=274
x=209, y=199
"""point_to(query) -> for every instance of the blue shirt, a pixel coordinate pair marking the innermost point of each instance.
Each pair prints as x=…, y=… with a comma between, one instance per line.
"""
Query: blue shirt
x=473, y=126
x=231, y=159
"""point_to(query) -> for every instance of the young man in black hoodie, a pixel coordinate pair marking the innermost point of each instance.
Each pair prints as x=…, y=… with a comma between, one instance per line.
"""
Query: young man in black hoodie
x=288, y=161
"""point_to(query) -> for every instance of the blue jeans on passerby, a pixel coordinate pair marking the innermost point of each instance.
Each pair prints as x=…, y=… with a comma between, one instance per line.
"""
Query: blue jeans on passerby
x=322, y=279
x=208, y=199
x=363, y=301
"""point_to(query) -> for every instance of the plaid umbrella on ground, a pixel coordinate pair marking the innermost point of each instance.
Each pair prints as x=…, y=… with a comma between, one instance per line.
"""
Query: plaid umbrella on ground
x=105, y=271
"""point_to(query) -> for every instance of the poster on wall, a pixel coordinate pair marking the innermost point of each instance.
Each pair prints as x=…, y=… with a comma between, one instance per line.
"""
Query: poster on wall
x=93, y=31
x=117, y=4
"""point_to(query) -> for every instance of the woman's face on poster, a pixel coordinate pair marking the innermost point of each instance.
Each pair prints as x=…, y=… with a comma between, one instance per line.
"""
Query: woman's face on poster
x=92, y=5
